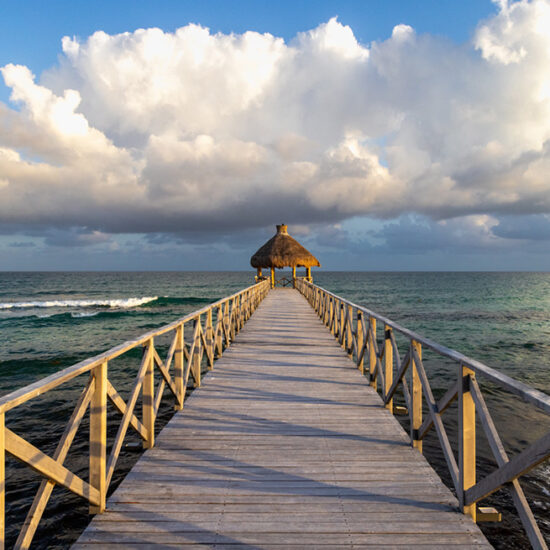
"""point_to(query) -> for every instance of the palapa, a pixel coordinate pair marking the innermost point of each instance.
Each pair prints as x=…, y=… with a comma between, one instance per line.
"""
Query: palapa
x=283, y=251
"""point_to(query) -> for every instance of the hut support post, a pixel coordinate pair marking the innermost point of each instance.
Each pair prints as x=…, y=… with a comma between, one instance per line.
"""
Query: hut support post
x=294, y=277
x=272, y=277
x=308, y=275
x=259, y=277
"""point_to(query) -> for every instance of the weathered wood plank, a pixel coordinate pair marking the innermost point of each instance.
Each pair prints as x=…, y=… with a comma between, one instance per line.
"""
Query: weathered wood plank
x=310, y=525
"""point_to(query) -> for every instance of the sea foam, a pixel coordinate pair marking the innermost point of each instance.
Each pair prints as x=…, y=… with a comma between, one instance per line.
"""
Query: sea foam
x=121, y=302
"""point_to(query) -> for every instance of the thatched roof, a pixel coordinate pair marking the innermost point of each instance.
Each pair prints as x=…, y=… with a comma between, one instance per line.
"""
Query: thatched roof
x=283, y=251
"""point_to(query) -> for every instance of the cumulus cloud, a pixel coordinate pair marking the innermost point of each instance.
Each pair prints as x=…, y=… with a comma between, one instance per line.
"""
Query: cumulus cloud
x=151, y=131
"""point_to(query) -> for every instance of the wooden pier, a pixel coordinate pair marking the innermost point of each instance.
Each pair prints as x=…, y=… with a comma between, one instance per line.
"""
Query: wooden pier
x=288, y=440
x=284, y=445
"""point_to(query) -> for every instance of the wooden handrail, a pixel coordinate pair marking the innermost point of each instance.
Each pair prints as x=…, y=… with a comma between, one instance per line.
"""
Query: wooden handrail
x=17, y=397
x=355, y=328
x=529, y=394
x=183, y=358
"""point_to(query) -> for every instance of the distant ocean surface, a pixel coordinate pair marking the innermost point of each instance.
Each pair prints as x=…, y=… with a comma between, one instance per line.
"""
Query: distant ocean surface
x=49, y=321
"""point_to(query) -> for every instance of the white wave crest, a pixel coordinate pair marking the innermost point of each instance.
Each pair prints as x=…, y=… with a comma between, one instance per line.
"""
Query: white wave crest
x=122, y=302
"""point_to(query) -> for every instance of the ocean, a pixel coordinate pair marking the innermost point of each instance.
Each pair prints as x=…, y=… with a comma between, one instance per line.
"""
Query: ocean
x=49, y=321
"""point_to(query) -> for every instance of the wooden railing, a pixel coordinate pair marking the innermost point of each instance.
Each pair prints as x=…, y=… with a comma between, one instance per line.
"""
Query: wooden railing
x=355, y=327
x=208, y=338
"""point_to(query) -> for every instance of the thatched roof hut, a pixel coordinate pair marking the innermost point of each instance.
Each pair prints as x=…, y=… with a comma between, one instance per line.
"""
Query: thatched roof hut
x=283, y=251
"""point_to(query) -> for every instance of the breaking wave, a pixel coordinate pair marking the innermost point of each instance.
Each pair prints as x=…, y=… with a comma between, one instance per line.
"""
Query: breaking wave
x=121, y=302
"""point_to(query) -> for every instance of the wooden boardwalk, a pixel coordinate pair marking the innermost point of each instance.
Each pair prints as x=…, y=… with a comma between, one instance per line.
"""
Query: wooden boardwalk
x=284, y=445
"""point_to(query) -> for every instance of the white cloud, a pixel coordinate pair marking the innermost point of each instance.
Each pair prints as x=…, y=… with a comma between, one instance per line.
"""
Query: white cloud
x=153, y=131
x=402, y=32
x=333, y=38
x=519, y=30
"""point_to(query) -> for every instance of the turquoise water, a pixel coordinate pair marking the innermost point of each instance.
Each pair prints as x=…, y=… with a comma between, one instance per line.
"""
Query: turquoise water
x=51, y=320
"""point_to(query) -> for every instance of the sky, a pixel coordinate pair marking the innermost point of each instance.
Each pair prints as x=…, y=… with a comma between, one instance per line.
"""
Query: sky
x=389, y=135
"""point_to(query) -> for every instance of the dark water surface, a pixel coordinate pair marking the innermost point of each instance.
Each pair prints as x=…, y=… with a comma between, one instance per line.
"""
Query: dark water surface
x=49, y=321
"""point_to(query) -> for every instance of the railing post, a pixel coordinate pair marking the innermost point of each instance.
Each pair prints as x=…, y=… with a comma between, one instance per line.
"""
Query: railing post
x=2, y=480
x=416, y=399
x=98, y=436
x=338, y=323
x=233, y=319
x=337, y=319
x=219, y=333
x=349, y=332
x=360, y=338
x=148, y=403
x=179, y=366
x=342, y=329
x=388, y=365
x=320, y=304
x=242, y=306
x=226, y=324
x=372, y=352
x=209, y=339
x=239, y=312
x=466, y=439
x=197, y=355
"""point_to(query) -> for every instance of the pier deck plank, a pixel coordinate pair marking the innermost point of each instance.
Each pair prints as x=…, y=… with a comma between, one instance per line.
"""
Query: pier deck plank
x=284, y=445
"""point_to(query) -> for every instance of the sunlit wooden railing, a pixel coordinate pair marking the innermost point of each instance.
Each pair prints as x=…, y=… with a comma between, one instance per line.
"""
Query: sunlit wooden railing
x=207, y=338
x=355, y=327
